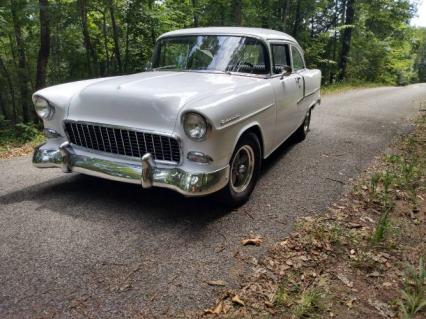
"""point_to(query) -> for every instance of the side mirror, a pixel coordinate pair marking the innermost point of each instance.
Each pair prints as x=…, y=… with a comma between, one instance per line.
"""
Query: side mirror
x=287, y=70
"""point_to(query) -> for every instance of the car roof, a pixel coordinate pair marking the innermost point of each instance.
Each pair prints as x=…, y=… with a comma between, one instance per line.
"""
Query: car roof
x=265, y=34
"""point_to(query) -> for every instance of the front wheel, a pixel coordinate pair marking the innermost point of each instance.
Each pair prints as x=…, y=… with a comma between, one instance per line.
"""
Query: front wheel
x=244, y=171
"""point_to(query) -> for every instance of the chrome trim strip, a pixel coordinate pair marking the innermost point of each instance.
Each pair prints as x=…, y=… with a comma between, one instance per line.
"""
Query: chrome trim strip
x=246, y=117
x=230, y=119
x=144, y=173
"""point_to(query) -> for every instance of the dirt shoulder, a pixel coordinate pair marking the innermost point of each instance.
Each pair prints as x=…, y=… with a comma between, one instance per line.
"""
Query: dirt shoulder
x=362, y=258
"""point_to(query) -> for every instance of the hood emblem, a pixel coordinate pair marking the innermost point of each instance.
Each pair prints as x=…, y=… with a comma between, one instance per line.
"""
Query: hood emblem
x=230, y=119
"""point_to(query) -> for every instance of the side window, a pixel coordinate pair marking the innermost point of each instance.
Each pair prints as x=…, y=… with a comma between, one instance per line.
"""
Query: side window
x=298, y=63
x=280, y=57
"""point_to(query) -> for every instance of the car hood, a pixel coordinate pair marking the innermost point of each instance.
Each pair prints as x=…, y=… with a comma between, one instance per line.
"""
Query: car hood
x=151, y=100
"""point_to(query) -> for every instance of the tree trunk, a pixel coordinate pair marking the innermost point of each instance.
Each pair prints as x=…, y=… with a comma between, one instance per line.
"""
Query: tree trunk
x=347, y=37
x=334, y=44
x=90, y=52
x=43, y=53
x=285, y=12
x=265, y=13
x=104, y=31
x=195, y=10
x=22, y=64
x=115, y=36
x=126, y=52
x=236, y=10
x=297, y=19
x=2, y=105
x=11, y=89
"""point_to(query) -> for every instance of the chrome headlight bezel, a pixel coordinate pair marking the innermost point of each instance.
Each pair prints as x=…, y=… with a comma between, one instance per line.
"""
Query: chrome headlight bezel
x=196, y=126
x=43, y=108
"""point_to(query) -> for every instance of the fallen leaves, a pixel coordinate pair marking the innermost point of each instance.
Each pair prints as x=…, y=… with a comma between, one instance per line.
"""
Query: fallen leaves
x=17, y=151
x=254, y=240
x=331, y=255
x=345, y=280
x=222, y=306
x=216, y=310
x=236, y=299
x=383, y=308
x=350, y=302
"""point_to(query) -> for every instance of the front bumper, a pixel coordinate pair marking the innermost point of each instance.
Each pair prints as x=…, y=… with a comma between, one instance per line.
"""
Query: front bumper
x=145, y=173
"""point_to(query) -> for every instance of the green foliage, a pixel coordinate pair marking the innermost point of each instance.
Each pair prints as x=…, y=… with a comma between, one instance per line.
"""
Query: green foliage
x=384, y=48
x=339, y=87
x=19, y=134
x=382, y=228
x=311, y=301
x=414, y=292
x=374, y=181
x=420, y=62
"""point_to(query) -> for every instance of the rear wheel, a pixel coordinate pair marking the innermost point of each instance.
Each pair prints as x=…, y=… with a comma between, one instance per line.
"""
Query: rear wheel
x=303, y=129
x=244, y=171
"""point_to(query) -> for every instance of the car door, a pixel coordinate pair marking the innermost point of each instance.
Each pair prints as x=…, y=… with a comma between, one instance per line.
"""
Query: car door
x=298, y=66
x=286, y=90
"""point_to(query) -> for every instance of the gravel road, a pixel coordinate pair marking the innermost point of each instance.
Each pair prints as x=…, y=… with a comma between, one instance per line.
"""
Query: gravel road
x=75, y=246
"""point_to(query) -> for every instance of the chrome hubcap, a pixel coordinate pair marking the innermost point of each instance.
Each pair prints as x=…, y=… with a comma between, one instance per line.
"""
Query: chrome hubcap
x=242, y=168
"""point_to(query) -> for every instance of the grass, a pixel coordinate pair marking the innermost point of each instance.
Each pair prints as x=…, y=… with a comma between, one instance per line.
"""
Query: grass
x=350, y=260
x=331, y=233
x=306, y=304
x=382, y=228
x=414, y=293
x=309, y=304
x=347, y=86
x=385, y=180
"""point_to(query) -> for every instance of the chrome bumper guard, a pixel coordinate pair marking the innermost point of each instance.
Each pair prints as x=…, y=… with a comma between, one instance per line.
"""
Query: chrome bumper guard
x=146, y=173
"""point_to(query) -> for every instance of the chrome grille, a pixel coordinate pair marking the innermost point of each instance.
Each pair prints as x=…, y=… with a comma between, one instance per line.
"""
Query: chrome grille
x=122, y=141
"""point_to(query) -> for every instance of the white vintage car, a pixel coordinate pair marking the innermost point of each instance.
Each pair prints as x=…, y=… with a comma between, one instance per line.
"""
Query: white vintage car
x=214, y=103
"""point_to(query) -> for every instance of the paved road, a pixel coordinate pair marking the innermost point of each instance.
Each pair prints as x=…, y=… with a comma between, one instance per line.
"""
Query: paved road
x=76, y=246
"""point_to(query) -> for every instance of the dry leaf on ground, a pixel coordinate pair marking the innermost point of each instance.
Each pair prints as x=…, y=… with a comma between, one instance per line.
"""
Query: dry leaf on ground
x=256, y=240
x=345, y=280
x=215, y=310
x=236, y=299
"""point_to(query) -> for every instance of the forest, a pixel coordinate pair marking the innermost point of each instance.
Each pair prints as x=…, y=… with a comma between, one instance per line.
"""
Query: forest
x=47, y=42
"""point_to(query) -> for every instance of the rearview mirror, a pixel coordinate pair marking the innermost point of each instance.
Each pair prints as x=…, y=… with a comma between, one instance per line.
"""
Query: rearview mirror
x=287, y=70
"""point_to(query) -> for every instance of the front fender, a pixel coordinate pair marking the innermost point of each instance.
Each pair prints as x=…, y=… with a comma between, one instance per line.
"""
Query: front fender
x=230, y=115
x=60, y=97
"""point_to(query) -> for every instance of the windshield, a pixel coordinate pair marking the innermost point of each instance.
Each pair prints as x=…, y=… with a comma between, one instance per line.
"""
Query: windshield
x=211, y=53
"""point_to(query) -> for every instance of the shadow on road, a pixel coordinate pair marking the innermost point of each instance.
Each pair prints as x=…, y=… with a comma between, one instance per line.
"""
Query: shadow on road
x=91, y=198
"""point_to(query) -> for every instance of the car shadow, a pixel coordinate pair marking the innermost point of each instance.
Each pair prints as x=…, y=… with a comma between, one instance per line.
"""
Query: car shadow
x=86, y=197
x=279, y=154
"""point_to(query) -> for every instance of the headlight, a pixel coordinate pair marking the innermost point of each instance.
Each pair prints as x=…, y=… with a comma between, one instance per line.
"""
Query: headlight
x=195, y=126
x=43, y=108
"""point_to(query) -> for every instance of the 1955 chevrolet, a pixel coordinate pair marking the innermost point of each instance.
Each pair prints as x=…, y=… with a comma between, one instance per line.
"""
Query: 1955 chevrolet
x=213, y=104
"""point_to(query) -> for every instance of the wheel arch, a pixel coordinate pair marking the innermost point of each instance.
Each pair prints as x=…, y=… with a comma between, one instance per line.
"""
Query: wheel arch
x=252, y=128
